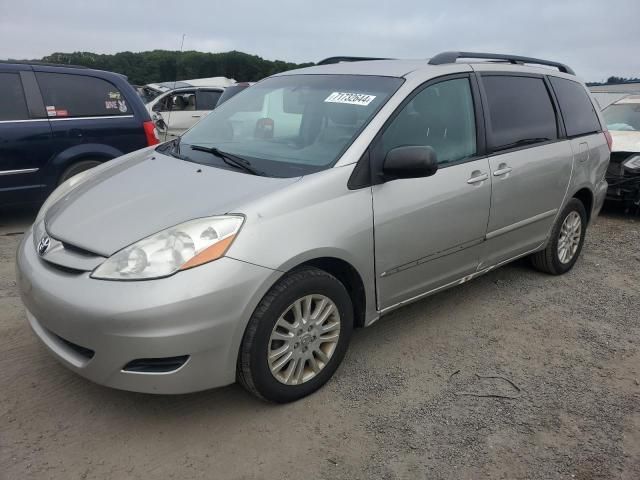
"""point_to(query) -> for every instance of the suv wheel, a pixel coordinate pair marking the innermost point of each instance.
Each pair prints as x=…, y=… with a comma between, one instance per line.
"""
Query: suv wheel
x=77, y=168
x=297, y=336
x=565, y=244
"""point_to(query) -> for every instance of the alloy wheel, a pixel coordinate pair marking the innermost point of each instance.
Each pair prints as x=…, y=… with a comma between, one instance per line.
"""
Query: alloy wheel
x=303, y=339
x=570, y=234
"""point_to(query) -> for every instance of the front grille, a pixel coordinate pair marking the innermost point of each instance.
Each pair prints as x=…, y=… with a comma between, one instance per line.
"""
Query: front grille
x=69, y=258
x=156, y=365
x=80, y=350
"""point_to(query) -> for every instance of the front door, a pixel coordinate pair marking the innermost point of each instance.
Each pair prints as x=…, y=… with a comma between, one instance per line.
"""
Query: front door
x=428, y=231
x=178, y=111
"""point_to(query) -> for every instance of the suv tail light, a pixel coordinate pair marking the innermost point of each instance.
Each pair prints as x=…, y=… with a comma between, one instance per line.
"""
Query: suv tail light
x=151, y=132
x=609, y=138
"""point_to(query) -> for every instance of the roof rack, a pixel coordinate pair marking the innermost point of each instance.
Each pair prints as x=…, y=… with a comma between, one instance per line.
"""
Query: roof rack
x=451, y=57
x=41, y=64
x=330, y=60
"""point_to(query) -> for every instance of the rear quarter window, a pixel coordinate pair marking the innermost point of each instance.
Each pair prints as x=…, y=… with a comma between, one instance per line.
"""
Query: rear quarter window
x=72, y=95
x=578, y=112
x=520, y=111
x=13, y=106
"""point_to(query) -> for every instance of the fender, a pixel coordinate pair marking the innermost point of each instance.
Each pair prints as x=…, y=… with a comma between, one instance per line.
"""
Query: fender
x=62, y=160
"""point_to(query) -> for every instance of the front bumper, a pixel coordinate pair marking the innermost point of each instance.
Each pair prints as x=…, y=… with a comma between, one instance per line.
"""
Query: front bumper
x=201, y=312
x=624, y=184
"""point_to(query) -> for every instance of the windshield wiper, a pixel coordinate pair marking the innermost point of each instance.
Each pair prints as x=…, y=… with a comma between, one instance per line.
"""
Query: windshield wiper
x=521, y=143
x=229, y=159
x=175, y=149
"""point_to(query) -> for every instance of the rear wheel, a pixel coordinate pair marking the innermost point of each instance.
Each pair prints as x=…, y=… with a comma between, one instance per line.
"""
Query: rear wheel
x=565, y=244
x=297, y=336
x=77, y=168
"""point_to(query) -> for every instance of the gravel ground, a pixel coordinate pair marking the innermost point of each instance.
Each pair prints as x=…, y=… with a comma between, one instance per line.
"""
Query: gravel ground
x=412, y=399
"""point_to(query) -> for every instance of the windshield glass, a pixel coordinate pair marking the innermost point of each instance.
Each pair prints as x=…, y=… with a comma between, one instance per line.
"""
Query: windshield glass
x=148, y=94
x=291, y=125
x=622, y=117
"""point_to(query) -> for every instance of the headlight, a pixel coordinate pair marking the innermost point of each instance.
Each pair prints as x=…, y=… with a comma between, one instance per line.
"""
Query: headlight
x=177, y=248
x=632, y=163
x=61, y=191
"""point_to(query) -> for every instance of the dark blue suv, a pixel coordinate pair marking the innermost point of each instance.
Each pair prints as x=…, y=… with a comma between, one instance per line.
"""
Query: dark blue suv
x=56, y=121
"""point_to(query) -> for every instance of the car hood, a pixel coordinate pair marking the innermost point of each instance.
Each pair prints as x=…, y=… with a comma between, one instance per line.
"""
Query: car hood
x=145, y=193
x=625, y=141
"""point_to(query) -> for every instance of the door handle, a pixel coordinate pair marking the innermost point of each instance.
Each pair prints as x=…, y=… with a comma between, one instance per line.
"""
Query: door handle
x=503, y=170
x=477, y=178
x=196, y=116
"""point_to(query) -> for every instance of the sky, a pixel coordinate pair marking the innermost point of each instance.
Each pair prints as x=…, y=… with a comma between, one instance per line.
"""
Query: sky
x=595, y=37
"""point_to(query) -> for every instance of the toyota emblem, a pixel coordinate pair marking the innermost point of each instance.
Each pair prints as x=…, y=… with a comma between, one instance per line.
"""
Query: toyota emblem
x=43, y=244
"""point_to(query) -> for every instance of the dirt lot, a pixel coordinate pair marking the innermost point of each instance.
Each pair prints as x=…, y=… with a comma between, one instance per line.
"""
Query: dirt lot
x=399, y=407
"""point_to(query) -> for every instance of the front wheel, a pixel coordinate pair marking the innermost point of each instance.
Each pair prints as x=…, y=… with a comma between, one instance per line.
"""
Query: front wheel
x=565, y=244
x=77, y=168
x=297, y=336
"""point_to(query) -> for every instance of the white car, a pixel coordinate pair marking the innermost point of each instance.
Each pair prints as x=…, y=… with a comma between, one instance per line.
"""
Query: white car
x=623, y=121
x=177, y=106
x=151, y=91
x=176, y=111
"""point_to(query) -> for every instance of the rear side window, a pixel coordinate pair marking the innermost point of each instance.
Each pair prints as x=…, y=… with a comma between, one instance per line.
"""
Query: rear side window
x=207, y=99
x=14, y=105
x=67, y=95
x=580, y=117
x=520, y=111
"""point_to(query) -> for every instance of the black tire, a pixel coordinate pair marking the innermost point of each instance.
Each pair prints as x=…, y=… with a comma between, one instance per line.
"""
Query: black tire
x=548, y=260
x=253, y=371
x=77, y=168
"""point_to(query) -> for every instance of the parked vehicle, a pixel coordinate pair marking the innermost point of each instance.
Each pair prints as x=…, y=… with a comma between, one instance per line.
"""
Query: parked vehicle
x=57, y=121
x=150, y=91
x=178, y=110
x=605, y=95
x=232, y=91
x=623, y=121
x=315, y=202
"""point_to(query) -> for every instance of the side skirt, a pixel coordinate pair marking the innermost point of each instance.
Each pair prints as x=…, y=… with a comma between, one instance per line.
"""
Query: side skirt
x=464, y=279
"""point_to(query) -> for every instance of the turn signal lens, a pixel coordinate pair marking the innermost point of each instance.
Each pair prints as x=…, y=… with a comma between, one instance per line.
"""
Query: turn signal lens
x=210, y=254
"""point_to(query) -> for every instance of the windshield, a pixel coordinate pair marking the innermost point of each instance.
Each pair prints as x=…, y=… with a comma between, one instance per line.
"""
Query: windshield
x=291, y=125
x=148, y=94
x=622, y=117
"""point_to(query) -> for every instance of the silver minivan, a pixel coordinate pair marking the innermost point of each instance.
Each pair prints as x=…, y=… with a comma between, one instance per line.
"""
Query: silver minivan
x=311, y=203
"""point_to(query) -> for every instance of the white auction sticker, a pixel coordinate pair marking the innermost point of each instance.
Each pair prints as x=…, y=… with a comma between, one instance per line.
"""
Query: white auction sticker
x=350, y=98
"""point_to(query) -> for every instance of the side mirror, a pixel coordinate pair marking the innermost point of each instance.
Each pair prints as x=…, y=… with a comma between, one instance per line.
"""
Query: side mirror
x=410, y=162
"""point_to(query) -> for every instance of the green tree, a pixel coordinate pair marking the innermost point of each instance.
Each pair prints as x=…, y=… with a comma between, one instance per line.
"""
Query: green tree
x=166, y=65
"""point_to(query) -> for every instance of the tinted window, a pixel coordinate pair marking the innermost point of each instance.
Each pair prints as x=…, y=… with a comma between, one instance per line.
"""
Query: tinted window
x=440, y=116
x=14, y=105
x=207, y=99
x=577, y=110
x=520, y=111
x=80, y=96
